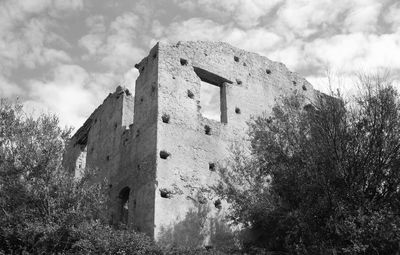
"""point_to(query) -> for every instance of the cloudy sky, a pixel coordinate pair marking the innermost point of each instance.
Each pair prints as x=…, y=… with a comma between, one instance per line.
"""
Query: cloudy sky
x=65, y=56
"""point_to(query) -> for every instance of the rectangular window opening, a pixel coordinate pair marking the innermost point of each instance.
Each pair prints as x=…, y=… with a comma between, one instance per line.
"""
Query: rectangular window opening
x=212, y=95
x=210, y=101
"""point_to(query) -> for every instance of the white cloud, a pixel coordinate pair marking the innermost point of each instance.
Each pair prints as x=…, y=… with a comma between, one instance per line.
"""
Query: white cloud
x=116, y=46
x=14, y=11
x=193, y=29
x=32, y=45
x=64, y=93
x=8, y=88
x=258, y=40
x=305, y=18
x=96, y=24
x=92, y=43
x=94, y=40
x=357, y=51
x=393, y=17
x=334, y=81
x=44, y=41
x=363, y=16
x=25, y=34
x=129, y=79
x=246, y=13
x=292, y=55
x=68, y=4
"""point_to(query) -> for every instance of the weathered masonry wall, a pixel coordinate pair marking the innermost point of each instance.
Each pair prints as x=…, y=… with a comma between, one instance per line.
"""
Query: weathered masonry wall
x=96, y=144
x=118, y=141
x=138, y=165
x=248, y=84
x=159, y=151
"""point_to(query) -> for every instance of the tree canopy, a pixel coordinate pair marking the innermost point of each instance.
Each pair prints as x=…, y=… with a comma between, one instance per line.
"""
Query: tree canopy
x=322, y=177
x=43, y=208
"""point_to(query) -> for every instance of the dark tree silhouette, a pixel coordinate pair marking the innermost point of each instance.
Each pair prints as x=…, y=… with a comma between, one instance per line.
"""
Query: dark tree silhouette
x=322, y=178
x=44, y=209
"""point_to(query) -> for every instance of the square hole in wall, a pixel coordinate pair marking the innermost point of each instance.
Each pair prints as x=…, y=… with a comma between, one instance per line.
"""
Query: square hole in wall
x=212, y=95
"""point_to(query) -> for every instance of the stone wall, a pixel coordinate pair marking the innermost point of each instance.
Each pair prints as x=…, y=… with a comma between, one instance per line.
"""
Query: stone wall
x=249, y=85
x=158, y=147
x=138, y=153
x=96, y=144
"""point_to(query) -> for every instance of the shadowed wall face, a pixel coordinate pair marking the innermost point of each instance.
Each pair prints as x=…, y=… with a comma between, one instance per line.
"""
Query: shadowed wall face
x=123, y=214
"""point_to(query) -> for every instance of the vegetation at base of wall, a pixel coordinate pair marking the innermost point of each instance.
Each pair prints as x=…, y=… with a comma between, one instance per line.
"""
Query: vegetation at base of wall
x=193, y=229
x=322, y=178
x=43, y=209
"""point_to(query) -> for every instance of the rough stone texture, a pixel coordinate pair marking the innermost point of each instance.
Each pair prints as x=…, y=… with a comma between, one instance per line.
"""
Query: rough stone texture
x=169, y=166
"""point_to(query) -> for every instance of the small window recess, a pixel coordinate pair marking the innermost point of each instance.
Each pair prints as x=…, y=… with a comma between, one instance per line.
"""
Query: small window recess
x=218, y=204
x=212, y=95
x=165, y=118
x=164, y=154
x=184, y=62
x=165, y=193
x=211, y=166
x=207, y=130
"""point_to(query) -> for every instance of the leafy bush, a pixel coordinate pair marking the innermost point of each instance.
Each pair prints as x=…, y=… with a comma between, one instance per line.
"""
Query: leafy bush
x=43, y=209
x=322, y=178
x=96, y=238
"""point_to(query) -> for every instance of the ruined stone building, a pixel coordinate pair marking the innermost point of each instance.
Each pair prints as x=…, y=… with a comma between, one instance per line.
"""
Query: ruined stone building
x=159, y=148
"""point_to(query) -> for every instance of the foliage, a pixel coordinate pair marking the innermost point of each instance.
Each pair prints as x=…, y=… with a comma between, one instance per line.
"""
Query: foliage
x=97, y=238
x=189, y=234
x=323, y=178
x=43, y=209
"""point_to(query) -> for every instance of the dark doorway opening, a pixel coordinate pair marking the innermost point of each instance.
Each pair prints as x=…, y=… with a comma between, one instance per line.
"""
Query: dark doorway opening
x=124, y=205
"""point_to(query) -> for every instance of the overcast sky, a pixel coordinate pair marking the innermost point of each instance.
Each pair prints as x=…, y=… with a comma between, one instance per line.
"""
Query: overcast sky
x=65, y=56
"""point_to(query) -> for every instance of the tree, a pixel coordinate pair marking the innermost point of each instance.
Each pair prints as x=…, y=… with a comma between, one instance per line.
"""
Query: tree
x=322, y=178
x=43, y=208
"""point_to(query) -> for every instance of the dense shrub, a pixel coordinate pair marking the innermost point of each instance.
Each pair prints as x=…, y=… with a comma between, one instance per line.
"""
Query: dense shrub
x=44, y=209
x=322, y=178
x=96, y=238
